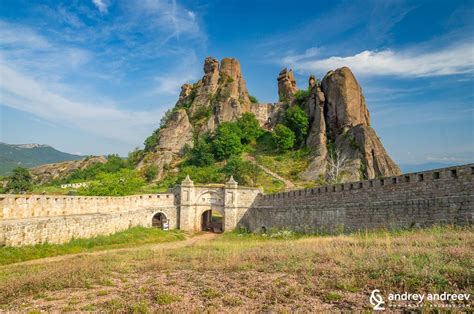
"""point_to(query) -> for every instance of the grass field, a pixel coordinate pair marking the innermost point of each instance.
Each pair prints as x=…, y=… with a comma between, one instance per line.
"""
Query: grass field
x=246, y=272
x=131, y=237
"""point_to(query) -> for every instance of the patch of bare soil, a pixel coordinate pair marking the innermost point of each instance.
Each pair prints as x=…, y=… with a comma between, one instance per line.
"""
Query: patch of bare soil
x=185, y=291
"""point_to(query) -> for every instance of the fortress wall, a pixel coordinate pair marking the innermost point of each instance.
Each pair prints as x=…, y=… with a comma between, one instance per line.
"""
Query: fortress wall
x=416, y=199
x=61, y=229
x=28, y=206
x=34, y=219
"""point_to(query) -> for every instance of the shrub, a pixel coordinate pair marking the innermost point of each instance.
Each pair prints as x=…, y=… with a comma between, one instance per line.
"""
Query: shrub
x=297, y=120
x=284, y=137
x=253, y=99
x=227, y=141
x=201, y=153
x=20, y=181
x=123, y=182
x=245, y=172
x=150, y=172
x=301, y=97
x=249, y=127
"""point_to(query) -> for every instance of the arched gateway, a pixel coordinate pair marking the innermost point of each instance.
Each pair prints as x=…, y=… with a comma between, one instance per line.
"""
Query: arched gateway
x=215, y=208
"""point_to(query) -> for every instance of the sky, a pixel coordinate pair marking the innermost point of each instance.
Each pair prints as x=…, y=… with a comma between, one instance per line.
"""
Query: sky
x=95, y=76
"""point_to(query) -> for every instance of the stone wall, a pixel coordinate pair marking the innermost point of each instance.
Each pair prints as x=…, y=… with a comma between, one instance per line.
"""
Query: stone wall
x=416, y=199
x=34, y=219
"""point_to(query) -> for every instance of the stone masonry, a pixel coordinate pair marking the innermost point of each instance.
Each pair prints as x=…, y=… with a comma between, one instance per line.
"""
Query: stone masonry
x=442, y=196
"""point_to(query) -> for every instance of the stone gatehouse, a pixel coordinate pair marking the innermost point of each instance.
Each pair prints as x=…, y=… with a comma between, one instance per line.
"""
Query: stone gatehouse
x=441, y=196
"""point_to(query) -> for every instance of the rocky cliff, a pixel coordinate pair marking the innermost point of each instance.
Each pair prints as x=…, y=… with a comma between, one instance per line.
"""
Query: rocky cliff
x=46, y=173
x=339, y=132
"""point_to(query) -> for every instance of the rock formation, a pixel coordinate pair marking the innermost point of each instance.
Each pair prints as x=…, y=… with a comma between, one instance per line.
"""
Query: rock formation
x=46, y=173
x=286, y=85
x=339, y=119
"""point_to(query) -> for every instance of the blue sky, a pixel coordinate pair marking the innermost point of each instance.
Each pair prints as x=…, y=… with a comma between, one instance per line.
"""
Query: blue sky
x=94, y=77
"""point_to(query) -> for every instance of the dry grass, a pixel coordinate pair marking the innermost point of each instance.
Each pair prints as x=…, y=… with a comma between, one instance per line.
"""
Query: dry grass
x=250, y=273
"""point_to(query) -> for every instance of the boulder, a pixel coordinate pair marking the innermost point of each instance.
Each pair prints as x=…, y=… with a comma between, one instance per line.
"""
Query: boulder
x=345, y=103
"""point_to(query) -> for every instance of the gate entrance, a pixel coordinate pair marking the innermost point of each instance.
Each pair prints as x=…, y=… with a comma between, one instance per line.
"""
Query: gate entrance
x=212, y=220
x=159, y=220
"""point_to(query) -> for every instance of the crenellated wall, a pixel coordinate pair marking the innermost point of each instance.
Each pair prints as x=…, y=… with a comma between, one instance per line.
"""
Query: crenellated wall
x=33, y=219
x=415, y=199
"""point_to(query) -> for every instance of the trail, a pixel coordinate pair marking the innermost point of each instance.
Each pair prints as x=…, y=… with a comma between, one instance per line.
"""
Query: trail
x=288, y=183
x=190, y=241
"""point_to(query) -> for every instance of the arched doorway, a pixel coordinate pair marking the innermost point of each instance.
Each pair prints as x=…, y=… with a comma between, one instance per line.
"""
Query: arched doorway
x=159, y=220
x=213, y=221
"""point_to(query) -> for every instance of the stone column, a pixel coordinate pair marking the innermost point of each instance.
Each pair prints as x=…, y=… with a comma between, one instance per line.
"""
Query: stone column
x=186, y=209
x=230, y=204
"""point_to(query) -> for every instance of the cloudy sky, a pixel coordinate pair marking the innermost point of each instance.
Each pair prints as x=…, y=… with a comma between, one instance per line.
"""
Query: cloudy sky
x=94, y=77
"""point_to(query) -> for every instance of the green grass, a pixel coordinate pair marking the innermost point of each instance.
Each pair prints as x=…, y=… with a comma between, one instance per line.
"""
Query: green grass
x=131, y=237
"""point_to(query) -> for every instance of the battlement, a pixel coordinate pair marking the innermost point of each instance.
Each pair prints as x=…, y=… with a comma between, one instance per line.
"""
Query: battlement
x=413, y=182
x=29, y=206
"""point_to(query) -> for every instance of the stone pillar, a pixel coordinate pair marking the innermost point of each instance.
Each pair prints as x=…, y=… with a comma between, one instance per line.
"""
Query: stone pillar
x=230, y=204
x=186, y=209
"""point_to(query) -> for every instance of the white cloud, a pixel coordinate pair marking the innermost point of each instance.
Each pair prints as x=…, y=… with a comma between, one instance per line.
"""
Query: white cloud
x=24, y=93
x=101, y=5
x=455, y=59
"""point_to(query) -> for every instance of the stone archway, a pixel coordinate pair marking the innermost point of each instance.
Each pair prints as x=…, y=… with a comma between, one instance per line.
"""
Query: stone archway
x=159, y=220
x=212, y=220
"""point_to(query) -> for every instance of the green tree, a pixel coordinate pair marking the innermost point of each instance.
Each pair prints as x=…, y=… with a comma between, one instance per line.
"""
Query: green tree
x=244, y=172
x=227, y=141
x=201, y=154
x=249, y=127
x=284, y=137
x=151, y=141
x=297, y=120
x=20, y=181
x=301, y=97
x=135, y=156
x=123, y=182
x=150, y=172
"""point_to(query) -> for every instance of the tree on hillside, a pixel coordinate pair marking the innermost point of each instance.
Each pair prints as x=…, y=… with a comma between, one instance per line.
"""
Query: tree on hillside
x=20, y=181
x=250, y=127
x=284, y=137
x=227, y=141
x=123, y=182
x=245, y=172
x=297, y=120
x=337, y=162
x=201, y=154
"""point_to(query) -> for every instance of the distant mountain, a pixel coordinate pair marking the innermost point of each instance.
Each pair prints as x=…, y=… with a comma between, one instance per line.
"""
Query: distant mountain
x=30, y=155
x=425, y=166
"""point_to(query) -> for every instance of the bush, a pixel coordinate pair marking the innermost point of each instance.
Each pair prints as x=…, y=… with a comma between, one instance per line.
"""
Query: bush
x=297, y=120
x=249, y=127
x=284, y=137
x=201, y=153
x=20, y=181
x=253, y=99
x=227, y=141
x=123, y=182
x=301, y=97
x=150, y=172
x=244, y=172
x=135, y=156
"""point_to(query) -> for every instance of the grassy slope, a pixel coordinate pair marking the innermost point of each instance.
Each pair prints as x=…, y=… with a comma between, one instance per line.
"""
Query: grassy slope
x=128, y=238
x=251, y=273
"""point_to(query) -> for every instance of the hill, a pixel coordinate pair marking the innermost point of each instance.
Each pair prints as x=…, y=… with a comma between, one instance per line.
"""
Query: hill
x=30, y=155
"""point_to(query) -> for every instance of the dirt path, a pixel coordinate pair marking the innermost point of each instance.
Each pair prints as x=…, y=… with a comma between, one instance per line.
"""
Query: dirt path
x=288, y=183
x=189, y=241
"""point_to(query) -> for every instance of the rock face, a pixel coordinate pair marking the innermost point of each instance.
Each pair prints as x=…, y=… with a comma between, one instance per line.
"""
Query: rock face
x=46, y=173
x=339, y=117
x=345, y=102
x=177, y=133
x=286, y=85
